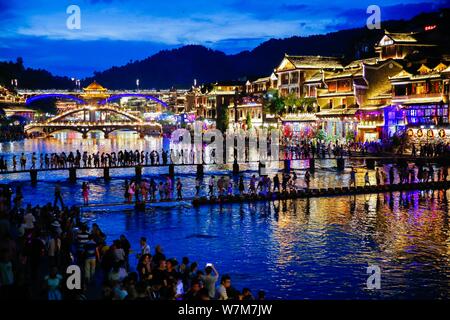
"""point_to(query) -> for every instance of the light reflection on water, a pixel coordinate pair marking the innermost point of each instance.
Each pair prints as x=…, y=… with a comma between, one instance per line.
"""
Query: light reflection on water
x=305, y=249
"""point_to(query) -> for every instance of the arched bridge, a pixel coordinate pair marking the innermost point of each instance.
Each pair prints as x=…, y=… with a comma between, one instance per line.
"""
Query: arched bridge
x=139, y=95
x=53, y=96
x=101, y=118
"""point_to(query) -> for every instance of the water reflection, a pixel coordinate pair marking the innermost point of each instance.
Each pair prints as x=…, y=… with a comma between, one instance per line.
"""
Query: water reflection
x=294, y=249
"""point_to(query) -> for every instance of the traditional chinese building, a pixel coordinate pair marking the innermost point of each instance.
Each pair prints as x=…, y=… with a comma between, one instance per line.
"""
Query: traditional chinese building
x=94, y=93
x=293, y=71
x=421, y=97
x=261, y=85
x=400, y=45
x=349, y=100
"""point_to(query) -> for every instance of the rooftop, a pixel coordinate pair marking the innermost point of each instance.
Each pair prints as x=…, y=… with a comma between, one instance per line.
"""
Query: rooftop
x=314, y=62
x=94, y=86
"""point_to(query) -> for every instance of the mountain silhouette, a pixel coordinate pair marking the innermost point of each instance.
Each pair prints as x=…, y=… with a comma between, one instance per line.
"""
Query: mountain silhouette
x=179, y=67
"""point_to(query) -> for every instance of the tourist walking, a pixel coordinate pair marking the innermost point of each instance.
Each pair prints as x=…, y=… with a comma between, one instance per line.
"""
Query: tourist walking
x=366, y=179
x=90, y=259
x=391, y=175
x=211, y=186
x=378, y=177
x=85, y=192
x=179, y=189
x=307, y=179
x=197, y=187
x=241, y=186
x=58, y=196
x=352, y=182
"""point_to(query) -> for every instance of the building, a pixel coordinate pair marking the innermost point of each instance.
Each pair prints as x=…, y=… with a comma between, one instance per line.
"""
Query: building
x=400, y=45
x=293, y=71
x=19, y=111
x=261, y=85
x=351, y=100
x=196, y=101
x=94, y=93
x=420, y=95
x=247, y=108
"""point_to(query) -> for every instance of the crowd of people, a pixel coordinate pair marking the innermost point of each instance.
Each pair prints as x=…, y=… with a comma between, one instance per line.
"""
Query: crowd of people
x=151, y=190
x=38, y=244
x=290, y=149
x=11, y=133
x=84, y=160
x=430, y=150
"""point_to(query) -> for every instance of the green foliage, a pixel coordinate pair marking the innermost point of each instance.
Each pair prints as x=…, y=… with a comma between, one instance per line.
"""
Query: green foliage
x=308, y=103
x=222, y=118
x=248, y=121
x=291, y=100
x=321, y=135
x=350, y=136
x=273, y=103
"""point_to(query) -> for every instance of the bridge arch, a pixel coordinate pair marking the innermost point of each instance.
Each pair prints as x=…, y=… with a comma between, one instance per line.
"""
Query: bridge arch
x=139, y=95
x=54, y=95
x=101, y=108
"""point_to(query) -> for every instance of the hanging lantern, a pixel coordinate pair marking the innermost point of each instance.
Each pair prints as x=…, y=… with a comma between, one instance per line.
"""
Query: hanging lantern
x=419, y=133
x=410, y=132
x=442, y=133
x=430, y=133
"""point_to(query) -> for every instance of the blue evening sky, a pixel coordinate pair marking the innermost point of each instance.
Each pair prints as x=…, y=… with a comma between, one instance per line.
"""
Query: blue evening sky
x=114, y=32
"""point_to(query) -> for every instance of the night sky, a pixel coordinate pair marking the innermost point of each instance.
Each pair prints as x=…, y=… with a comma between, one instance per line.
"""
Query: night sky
x=114, y=32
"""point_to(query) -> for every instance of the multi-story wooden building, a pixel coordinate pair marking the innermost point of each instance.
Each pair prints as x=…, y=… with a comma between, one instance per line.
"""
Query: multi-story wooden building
x=421, y=97
x=293, y=71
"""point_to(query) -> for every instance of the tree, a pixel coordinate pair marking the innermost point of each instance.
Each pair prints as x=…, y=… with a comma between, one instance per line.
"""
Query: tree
x=291, y=100
x=308, y=104
x=222, y=118
x=273, y=103
x=321, y=135
x=248, y=121
x=350, y=136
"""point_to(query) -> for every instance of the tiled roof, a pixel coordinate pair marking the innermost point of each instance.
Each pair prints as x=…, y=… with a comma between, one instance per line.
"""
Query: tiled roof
x=358, y=63
x=94, y=86
x=345, y=74
x=314, y=62
x=402, y=37
x=259, y=80
x=315, y=78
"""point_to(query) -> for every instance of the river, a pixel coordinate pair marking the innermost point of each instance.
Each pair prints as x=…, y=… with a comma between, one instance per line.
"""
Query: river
x=298, y=249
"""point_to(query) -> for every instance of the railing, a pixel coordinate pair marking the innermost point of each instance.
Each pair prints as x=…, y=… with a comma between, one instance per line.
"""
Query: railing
x=418, y=96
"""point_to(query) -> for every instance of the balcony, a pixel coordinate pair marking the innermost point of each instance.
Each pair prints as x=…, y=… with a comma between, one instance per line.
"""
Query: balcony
x=423, y=96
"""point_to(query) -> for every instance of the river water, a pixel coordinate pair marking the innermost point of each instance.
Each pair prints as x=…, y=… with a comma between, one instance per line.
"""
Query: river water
x=298, y=249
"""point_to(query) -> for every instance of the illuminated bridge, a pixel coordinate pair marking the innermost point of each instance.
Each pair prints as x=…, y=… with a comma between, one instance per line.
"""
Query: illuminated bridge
x=104, y=118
